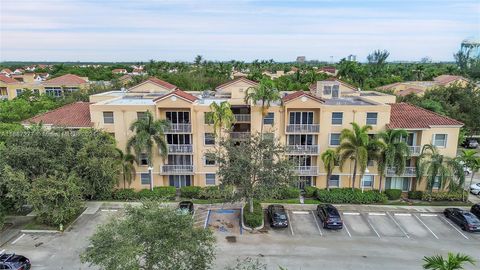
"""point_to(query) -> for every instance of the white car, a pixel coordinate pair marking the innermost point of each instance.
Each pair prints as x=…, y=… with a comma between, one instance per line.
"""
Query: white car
x=475, y=189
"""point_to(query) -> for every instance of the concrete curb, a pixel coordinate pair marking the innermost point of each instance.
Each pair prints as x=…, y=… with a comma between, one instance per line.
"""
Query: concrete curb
x=248, y=228
x=40, y=231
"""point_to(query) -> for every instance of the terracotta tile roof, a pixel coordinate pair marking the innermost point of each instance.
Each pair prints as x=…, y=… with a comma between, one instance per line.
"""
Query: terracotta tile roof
x=298, y=94
x=6, y=70
x=6, y=79
x=67, y=79
x=161, y=83
x=404, y=115
x=180, y=93
x=389, y=86
x=409, y=90
x=445, y=79
x=243, y=79
x=329, y=69
x=73, y=115
x=119, y=70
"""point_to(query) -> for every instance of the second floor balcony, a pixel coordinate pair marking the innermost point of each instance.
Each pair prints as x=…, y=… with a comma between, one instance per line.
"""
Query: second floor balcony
x=179, y=148
x=177, y=169
x=239, y=136
x=2, y=97
x=415, y=150
x=302, y=149
x=242, y=118
x=179, y=128
x=303, y=128
x=409, y=172
x=306, y=170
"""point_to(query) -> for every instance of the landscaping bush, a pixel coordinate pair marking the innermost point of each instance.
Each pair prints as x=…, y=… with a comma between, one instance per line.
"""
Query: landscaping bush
x=393, y=194
x=415, y=195
x=347, y=195
x=254, y=219
x=192, y=192
x=2, y=217
x=443, y=196
x=165, y=192
x=126, y=194
x=145, y=194
x=310, y=192
x=288, y=193
x=215, y=192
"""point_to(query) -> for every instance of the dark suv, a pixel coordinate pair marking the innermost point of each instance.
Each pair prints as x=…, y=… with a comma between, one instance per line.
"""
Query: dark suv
x=14, y=262
x=329, y=216
x=476, y=210
x=466, y=220
x=186, y=207
x=278, y=216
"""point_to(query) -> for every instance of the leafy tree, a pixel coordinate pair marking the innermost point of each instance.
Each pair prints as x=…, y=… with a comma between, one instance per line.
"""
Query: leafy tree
x=221, y=116
x=471, y=161
x=377, y=60
x=198, y=60
x=329, y=158
x=2, y=216
x=151, y=236
x=257, y=167
x=452, y=262
x=16, y=185
x=247, y=264
x=128, y=168
x=265, y=93
x=148, y=132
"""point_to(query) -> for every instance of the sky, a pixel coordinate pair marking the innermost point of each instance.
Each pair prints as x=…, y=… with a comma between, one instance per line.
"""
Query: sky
x=177, y=30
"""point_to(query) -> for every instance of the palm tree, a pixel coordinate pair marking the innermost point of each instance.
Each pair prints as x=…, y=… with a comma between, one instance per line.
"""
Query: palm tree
x=128, y=168
x=453, y=262
x=354, y=145
x=147, y=133
x=221, y=116
x=266, y=93
x=329, y=158
x=393, y=152
x=469, y=160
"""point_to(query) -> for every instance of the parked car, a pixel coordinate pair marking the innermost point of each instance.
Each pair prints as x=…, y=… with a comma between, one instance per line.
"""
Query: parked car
x=475, y=189
x=14, y=262
x=466, y=220
x=186, y=207
x=277, y=215
x=470, y=143
x=476, y=210
x=329, y=216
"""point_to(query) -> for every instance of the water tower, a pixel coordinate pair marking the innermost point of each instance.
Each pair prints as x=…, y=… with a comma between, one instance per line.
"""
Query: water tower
x=471, y=47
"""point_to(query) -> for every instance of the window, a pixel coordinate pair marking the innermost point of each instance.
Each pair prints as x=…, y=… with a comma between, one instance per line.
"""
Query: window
x=402, y=183
x=54, y=91
x=436, y=183
x=19, y=92
x=209, y=159
x=209, y=139
x=108, y=118
x=367, y=181
x=268, y=136
x=210, y=179
x=268, y=119
x=142, y=115
x=305, y=181
x=299, y=118
x=334, y=181
x=179, y=181
x=327, y=90
x=143, y=159
x=179, y=139
x=208, y=118
x=337, y=118
x=334, y=139
x=370, y=162
x=440, y=140
x=178, y=117
x=36, y=91
x=145, y=178
x=372, y=118
x=179, y=160
x=303, y=139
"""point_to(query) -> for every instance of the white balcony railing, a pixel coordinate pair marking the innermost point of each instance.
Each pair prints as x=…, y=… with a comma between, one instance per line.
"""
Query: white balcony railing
x=2, y=97
x=242, y=118
x=306, y=170
x=239, y=135
x=180, y=148
x=414, y=150
x=177, y=169
x=179, y=128
x=303, y=128
x=409, y=172
x=302, y=149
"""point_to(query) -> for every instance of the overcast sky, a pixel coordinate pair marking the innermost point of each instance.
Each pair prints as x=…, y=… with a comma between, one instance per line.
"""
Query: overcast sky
x=139, y=30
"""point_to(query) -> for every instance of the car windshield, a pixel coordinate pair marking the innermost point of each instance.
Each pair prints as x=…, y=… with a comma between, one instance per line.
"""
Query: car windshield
x=471, y=218
x=332, y=212
x=280, y=216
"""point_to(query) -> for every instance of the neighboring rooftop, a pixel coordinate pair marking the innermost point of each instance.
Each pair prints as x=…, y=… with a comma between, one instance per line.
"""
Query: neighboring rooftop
x=445, y=79
x=6, y=79
x=297, y=94
x=407, y=116
x=67, y=79
x=73, y=115
x=348, y=101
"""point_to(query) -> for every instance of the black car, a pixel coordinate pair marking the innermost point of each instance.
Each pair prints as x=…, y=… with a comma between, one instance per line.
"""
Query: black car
x=14, y=262
x=466, y=220
x=186, y=207
x=329, y=216
x=278, y=216
x=476, y=210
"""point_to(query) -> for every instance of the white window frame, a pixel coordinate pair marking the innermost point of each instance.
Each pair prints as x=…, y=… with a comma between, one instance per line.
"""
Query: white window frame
x=205, y=160
x=376, y=119
x=341, y=119
x=214, y=179
x=204, y=138
x=330, y=140
x=113, y=117
x=363, y=181
x=149, y=179
x=445, y=142
x=339, y=181
x=269, y=118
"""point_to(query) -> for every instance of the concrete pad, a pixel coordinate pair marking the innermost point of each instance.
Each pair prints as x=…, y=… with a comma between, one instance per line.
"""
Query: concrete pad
x=226, y=221
x=357, y=225
x=411, y=225
x=440, y=227
x=384, y=225
x=303, y=223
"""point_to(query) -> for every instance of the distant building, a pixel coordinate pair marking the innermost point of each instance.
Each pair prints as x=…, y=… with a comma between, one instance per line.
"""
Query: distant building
x=352, y=57
x=471, y=47
x=119, y=71
x=420, y=87
x=301, y=59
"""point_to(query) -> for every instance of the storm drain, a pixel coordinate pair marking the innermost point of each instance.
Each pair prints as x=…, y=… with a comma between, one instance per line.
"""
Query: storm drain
x=231, y=239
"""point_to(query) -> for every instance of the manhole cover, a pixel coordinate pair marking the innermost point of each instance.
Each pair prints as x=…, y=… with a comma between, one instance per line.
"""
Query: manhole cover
x=231, y=239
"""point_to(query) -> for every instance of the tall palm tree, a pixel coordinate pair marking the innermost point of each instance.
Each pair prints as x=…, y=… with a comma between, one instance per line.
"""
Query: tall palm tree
x=148, y=132
x=221, y=116
x=393, y=153
x=354, y=145
x=329, y=157
x=471, y=161
x=265, y=92
x=452, y=262
x=128, y=168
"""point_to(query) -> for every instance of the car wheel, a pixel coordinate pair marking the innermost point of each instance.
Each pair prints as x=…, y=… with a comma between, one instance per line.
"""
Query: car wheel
x=464, y=227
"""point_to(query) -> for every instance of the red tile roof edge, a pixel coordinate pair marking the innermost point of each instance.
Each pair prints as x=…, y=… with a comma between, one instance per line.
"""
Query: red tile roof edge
x=236, y=80
x=180, y=93
x=6, y=79
x=300, y=93
x=451, y=121
x=82, y=123
x=161, y=83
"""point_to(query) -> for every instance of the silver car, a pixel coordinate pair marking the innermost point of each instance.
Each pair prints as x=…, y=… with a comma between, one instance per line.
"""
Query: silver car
x=475, y=189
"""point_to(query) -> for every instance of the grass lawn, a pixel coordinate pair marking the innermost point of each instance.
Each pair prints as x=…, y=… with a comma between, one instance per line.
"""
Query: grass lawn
x=37, y=225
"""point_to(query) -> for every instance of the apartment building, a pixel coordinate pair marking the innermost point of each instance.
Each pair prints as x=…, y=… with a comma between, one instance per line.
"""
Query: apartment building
x=420, y=87
x=308, y=123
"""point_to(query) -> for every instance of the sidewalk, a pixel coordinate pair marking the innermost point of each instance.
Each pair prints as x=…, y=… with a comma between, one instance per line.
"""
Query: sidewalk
x=18, y=222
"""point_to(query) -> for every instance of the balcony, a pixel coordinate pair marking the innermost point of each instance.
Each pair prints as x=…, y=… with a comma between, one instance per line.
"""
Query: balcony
x=177, y=169
x=409, y=172
x=242, y=118
x=302, y=149
x=180, y=148
x=239, y=136
x=414, y=150
x=306, y=170
x=2, y=97
x=179, y=128
x=303, y=128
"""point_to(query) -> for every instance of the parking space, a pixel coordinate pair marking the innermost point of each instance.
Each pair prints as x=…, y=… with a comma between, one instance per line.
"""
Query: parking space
x=384, y=225
x=440, y=226
x=412, y=226
x=276, y=231
x=304, y=223
x=357, y=225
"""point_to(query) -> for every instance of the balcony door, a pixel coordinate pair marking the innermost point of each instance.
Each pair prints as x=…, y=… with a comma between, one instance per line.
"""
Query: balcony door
x=179, y=181
x=180, y=160
x=179, y=139
x=303, y=139
x=301, y=118
x=301, y=161
x=178, y=117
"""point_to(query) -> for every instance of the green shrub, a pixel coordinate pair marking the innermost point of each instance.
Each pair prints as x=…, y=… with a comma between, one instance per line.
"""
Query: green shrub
x=2, y=217
x=287, y=193
x=310, y=192
x=145, y=194
x=393, y=194
x=192, y=192
x=254, y=219
x=126, y=194
x=165, y=192
x=443, y=196
x=415, y=195
x=347, y=195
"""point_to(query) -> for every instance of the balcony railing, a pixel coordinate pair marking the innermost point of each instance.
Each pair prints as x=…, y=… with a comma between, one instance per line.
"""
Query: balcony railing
x=242, y=118
x=180, y=148
x=409, y=172
x=303, y=128
x=177, y=169
x=3, y=97
x=306, y=170
x=414, y=150
x=239, y=135
x=179, y=128
x=302, y=149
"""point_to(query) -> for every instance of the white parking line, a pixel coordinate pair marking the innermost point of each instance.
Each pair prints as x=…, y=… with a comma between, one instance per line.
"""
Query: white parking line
x=301, y=212
x=346, y=229
x=426, y=226
x=373, y=228
x=316, y=223
x=453, y=226
x=428, y=215
x=376, y=214
x=109, y=210
x=398, y=225
x=16, y=240
x=403, y=214
x=206, y=219
x=290, y=224
x=351, y=214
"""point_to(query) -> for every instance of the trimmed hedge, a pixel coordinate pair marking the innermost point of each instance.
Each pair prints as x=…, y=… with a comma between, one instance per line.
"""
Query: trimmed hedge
x=124, y=194
x=443, y=196
x=393, y=194
x=415, y=195
x=288, y=193
x=310, y=192
x=190, y=192
x=254, y=219
x=158, y=193
x=347, y=195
